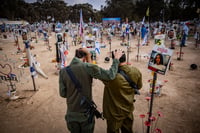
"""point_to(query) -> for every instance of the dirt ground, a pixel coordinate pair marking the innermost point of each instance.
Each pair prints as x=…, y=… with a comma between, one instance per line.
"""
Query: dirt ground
x=43, y=111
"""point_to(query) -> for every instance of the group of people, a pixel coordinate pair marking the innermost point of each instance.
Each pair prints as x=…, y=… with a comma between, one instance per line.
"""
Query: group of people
x=118, y=97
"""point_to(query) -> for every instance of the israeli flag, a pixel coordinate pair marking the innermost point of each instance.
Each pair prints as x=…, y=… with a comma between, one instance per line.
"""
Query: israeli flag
x=97, y=47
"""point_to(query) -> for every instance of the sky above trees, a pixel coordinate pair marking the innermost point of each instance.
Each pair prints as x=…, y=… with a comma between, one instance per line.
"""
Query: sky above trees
x=95, y=3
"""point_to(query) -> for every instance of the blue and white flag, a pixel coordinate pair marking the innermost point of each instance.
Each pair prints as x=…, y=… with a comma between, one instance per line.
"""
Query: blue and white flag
x=97, y=47
x=81, y=24
x=143, y=20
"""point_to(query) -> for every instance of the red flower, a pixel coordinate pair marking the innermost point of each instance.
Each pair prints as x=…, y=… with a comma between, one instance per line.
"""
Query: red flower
x=147, y=123
x=148, y=98
x=66, y=52
x=160, y=114
x=152, y=118
x=142, y=116
x=165, y=81
x=157, y=87
x=158, y=130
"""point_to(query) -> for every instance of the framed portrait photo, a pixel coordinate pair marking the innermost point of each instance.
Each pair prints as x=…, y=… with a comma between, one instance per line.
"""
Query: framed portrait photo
x=160, y=59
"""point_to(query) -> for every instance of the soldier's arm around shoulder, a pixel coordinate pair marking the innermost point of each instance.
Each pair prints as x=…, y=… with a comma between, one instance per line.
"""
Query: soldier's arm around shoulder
x=102, y=74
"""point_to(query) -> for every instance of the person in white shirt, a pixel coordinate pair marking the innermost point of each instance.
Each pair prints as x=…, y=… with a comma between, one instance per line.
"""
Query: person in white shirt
x=185, y=34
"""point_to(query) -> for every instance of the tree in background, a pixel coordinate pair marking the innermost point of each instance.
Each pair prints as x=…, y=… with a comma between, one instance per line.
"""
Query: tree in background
x=159, y=10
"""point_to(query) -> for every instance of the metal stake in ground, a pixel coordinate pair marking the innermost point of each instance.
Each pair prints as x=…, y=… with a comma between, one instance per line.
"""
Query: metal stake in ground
x=109, y=39
x=17, y=43
x=138, y=48
x=31, y=63
x=128, y=46
x=180, y=53
x=151, y=102
x=33, y=79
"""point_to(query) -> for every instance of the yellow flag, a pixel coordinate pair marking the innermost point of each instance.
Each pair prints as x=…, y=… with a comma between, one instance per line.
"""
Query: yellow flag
x=147, y=12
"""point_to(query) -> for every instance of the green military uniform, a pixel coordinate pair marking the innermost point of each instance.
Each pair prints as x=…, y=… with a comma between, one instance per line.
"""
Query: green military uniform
x=76, y=120
x=118, y=100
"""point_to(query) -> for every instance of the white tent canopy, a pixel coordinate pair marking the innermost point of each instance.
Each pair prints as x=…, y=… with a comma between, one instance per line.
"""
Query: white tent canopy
x=20, y=22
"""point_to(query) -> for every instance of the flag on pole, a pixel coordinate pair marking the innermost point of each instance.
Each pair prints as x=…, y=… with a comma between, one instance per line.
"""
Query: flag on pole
x=143, y=20
x=81, y=24
x=147, y=12
x=34, y=65
x=30, y=58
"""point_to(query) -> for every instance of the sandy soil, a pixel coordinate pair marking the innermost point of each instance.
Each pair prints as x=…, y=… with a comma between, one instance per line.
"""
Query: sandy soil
x=43, y=111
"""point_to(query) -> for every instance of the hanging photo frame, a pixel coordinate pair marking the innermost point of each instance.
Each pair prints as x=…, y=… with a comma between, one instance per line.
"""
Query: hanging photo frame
x=171, y=34
x=59, y=37
x=24, y=36
x=160, y=59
